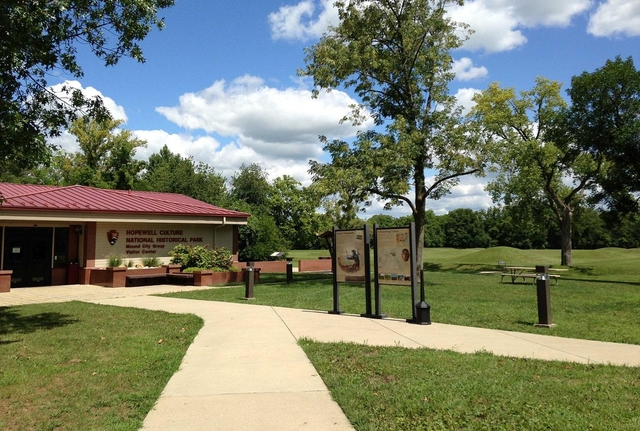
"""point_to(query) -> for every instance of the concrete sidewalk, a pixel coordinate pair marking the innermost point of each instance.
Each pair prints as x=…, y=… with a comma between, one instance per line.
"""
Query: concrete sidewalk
x=245, y=371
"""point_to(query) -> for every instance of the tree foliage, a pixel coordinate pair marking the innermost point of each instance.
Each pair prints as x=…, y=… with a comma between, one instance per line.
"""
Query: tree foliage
x=464, y=228
x=250, y=188
x=534, y=155
x=293, y=209
x=395, y=55
x=106, y=156
x=40, y=38
x=604, y=118
x=259, y=238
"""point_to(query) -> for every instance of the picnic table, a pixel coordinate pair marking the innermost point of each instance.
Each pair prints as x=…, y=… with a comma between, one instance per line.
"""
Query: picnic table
x=526, y=272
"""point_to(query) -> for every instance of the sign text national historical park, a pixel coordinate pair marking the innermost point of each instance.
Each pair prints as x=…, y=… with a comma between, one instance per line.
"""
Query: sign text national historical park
x=149, y=241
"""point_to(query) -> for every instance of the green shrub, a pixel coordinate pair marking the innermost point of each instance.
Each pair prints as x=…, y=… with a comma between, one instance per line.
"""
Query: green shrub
x=192, y=269
x=114, y=260
x=151, y=262
x=201, y=257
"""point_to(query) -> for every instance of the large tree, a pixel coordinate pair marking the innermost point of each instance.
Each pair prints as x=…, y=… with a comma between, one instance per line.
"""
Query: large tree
x=538, y=161
x=395, y=55
x=293, y=209
x=250, y=189
x=172, y=173
x=106, y=156
x=40, y=39
x=604, y=117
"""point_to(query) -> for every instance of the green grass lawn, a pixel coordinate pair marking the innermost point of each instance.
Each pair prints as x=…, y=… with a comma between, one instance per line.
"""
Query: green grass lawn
x=393, y=388
x=78, y=366
x=581, y=308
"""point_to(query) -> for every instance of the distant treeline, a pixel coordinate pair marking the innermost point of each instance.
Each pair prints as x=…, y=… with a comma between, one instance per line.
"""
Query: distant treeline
x=521, y=228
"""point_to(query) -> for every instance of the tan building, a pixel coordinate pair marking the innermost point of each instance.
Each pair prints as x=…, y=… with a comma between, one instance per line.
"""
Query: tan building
x=48, y=233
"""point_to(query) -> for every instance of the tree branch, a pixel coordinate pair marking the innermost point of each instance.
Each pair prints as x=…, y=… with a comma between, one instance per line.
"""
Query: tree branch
x=449, y=177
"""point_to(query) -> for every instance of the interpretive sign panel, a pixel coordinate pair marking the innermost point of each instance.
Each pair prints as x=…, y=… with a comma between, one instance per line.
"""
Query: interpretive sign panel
x=349, y=250
x=394, y=256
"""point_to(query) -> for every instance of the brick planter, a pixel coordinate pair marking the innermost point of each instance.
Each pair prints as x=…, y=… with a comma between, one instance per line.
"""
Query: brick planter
x=117, y=276
x=311, y=265
x=5, y=281
x=270, y=266
x=210, y=278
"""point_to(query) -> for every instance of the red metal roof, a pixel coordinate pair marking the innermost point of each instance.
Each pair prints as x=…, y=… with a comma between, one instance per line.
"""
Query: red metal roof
x=90, y=199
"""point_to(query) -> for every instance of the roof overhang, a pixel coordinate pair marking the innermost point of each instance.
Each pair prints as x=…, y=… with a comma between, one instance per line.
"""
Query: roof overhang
x=82, y=217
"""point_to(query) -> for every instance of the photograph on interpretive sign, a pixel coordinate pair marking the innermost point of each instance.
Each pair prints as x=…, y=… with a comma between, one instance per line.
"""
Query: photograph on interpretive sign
x=349, y=256
x=394, y=256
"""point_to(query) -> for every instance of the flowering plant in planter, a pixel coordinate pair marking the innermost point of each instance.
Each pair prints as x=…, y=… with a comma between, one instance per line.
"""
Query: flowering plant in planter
x=216, y=259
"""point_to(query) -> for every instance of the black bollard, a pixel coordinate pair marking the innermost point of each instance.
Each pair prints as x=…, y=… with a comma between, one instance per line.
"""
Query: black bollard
x=289, y=270
x=544, y=297
x=249, y=279
x=423, y=310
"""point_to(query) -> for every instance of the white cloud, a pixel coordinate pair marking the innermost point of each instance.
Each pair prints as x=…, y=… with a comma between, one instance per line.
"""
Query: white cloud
x=547, y=13
x=64, y=91
x=298, y=22
x=470, y=193
x=225, y=159
x=493, y=30
x=65, y=141
x=498, y=24
x=616, y=18
x=243, y=122
x=268, y=120
x=464, y=97
x=466, y=71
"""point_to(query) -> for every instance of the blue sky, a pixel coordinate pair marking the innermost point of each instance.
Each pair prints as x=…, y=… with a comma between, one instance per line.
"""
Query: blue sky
x=220, y=82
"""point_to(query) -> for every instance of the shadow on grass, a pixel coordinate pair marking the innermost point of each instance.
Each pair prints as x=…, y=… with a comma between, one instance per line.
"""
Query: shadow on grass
x=279, y=278
x=525, y=323
x=12, y=322
x=584, y=270
x=586, y=280
x=461, y=268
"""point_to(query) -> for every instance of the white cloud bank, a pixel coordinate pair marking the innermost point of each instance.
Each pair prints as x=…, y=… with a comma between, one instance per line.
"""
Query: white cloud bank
x=616, y=18
x=498, y=24
x=466, y=71
x=64, y=90
x=243, y=122
x=300, y=22
x=273, y=123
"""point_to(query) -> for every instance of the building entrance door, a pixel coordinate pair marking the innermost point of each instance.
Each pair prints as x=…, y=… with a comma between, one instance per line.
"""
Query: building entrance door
x=27, y=252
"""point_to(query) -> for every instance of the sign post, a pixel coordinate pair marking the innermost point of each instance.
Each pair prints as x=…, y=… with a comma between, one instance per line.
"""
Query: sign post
x=350, y=262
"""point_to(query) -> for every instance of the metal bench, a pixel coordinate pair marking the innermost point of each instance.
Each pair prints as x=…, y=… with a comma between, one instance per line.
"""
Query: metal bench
x=136, y=280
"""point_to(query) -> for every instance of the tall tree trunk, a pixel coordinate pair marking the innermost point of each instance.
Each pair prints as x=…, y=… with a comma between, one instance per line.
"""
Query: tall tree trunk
x=420, y=203
x=566, y=223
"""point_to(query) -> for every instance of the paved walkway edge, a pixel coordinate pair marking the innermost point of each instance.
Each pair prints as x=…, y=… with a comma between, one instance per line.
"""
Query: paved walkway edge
x=245, y=370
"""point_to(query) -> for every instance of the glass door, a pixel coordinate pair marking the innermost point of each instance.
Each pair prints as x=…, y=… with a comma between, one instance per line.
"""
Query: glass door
x=27, y=252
